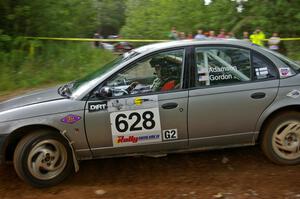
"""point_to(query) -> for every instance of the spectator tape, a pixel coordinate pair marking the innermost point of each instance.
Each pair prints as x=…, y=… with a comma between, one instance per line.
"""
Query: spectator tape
x=124, y=40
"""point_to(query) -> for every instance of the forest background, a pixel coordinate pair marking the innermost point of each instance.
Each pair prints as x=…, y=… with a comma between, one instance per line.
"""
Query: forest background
x=60, y=61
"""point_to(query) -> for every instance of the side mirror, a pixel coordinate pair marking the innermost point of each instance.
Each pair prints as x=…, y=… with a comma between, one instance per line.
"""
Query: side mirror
x=104, y=92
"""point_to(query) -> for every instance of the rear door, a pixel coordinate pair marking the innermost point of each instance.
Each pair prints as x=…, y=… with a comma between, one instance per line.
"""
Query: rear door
x=144, y=119
x=232, y=87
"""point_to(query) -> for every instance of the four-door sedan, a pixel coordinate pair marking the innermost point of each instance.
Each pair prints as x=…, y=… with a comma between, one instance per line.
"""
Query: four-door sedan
x=157, y=99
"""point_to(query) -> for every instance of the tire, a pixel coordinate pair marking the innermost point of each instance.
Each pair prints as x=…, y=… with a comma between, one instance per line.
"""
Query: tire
x=43, y=159
x=281, y=138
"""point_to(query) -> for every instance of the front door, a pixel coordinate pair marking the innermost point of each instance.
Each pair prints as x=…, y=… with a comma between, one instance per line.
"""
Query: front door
x=147, y=111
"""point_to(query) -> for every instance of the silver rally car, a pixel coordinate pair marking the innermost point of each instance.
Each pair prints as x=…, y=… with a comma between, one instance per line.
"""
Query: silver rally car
x=157, y=99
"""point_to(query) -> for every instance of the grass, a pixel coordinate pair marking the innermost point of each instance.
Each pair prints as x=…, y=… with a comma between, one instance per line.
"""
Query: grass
x=293, y=49
x=50, y=63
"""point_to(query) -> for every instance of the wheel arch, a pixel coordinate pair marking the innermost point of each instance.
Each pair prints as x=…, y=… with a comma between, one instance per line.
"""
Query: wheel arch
x=274, y=114
x=15, y=136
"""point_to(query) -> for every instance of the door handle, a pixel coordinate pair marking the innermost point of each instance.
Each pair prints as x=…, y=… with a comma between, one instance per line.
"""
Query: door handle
x=169, y=105
x=258, y=95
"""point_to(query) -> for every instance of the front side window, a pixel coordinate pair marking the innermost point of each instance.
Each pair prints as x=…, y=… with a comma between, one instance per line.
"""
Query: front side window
x=158, y=73
x=222, y=65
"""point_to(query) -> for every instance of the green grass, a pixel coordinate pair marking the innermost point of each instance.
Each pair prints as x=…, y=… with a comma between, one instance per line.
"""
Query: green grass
x=51, y=63
x=293, y=49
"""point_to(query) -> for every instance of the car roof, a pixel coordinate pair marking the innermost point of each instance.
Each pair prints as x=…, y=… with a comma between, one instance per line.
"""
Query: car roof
x=191, y=42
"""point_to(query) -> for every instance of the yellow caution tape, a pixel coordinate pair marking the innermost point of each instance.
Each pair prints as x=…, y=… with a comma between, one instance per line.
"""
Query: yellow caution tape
x=103, y=40
x=285, y=39
x=122, y=40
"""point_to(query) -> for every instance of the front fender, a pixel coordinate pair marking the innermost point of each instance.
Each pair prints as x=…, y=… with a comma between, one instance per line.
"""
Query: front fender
x=55, y=114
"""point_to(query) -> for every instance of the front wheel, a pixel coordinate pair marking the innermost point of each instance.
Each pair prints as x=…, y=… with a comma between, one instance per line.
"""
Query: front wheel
x=281, y=138
x=43, y=159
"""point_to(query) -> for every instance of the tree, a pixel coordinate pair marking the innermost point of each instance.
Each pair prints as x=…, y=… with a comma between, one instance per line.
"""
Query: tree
x=111, y=16
x=68, y=18
x=154, y=18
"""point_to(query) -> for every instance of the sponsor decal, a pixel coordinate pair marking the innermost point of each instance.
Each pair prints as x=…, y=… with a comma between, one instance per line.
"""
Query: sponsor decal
x=284, y=72
x=203, y=78
x=132, y=103
x=134, y=120
x=170, y=134
x=294, y=94
x=135, y=127
x=261, y=72
x=123, y=139
x=117, y=104
x=135, y=139
x=202, y=70
x=97, y=106
x=138, y=101
x=70, y=119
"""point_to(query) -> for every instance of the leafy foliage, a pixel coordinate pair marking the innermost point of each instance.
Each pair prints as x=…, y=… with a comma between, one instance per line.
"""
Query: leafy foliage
x=110, y=14
x=153, y=18
x=68, y=18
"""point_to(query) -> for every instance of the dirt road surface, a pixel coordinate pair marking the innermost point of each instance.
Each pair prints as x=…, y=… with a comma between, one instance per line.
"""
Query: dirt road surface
x=230, y=173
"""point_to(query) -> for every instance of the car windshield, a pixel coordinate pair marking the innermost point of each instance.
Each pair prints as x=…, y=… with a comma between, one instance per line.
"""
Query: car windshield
x=71, y=87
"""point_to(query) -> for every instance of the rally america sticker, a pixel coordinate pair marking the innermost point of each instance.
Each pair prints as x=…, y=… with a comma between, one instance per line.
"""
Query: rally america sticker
x=97, y=106
x=285, y=72
x=135, y=139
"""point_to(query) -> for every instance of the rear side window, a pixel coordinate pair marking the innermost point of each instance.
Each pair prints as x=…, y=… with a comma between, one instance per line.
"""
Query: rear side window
x=263, y=69
x=229, y=65
x=291, y=64
x=222, y=65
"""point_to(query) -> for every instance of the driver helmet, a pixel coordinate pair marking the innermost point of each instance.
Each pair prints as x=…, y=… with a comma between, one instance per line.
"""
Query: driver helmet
x=167, y=68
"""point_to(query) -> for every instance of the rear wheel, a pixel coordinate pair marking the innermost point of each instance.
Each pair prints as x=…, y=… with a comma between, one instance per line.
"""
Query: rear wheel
x=43, y=159
x=281, y=138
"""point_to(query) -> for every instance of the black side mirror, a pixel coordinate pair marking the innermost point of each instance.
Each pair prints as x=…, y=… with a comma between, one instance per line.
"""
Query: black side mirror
x=104, y=92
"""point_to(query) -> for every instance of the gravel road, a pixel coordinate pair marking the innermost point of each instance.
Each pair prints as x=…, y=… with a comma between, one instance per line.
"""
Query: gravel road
x=230, y=173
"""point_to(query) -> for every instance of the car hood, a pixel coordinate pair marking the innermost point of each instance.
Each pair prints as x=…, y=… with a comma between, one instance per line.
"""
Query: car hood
x=34, y=97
